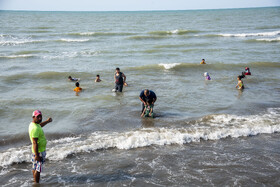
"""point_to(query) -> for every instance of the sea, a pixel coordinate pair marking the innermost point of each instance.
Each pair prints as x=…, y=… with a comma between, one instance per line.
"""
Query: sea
x=205, y=133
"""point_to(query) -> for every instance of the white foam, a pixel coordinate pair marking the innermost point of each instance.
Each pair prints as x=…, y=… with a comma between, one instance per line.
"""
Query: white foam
x=269, y=39
x=62, y=55
x=274, y=33
x=211, y=127
x=87, y=33
x=18, y=42
x=169, y=66
x=18, y=56
x=174, y=31
x=73, y=40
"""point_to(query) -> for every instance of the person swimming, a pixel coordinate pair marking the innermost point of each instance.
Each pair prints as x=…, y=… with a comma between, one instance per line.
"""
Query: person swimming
x=78, y=88
x=203, y=61
x=72, y=79
x=97, y=78
x=240, y=84
x=247, y=71
x=207, y=76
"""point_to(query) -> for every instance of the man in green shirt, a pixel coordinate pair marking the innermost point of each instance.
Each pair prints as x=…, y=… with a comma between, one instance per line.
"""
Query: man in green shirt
x=39, y=142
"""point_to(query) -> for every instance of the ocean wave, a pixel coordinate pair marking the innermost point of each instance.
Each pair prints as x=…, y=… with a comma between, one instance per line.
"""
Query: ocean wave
x=269, y=39
x=274, y=33
x=169, y=66
x=178, y=32
x=18, y=42
x=71, y=54
x=100, y=34
x=72, y=40
x=212, y=127
x=146, y=37
x=17, y=56
x=212, y=66
x=11, y=40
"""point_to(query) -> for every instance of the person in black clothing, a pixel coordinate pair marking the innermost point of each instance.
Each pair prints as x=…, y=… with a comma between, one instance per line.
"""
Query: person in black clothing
x=119, y=80
x=147, y=96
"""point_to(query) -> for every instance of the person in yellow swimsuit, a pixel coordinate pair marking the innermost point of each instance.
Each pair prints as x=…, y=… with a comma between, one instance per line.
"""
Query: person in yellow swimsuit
x=240, y=85
x=77, y=89
x=203, y=61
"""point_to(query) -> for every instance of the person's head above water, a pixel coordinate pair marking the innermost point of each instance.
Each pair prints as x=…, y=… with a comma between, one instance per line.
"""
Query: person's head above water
x=77, y=84
x=206, y=74
x=239, y=77
x=69, y=77
x=97, y=76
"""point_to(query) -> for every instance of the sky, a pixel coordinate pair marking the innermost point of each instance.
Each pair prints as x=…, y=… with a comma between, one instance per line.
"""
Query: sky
x=130, y=5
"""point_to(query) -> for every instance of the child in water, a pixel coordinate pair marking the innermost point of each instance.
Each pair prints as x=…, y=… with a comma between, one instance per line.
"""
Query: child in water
x=207, y=76
x=72, y=79
x=240, y=85
x=203, y=61
x=97, y=78
x=77, y=89
x=247, y=71
x=148, y=110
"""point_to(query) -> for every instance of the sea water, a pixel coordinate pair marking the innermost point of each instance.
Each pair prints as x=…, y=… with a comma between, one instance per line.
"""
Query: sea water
x=206, y=133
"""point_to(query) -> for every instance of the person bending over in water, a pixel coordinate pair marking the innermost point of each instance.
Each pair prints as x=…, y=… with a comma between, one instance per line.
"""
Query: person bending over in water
x=77, y=89
x=240, y=84
x=145, y=96
x=203, y=61
x=207, y=76
x=148, y=110
x=97, y=78
x=72, y=79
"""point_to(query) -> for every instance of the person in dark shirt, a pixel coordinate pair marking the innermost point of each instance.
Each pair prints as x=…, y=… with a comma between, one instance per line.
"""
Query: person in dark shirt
x=145, y=96
x=119, y=80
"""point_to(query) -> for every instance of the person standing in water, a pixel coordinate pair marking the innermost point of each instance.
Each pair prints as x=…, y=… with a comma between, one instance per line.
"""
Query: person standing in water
x=119, y=80
x=240, y=85
x=39, y=142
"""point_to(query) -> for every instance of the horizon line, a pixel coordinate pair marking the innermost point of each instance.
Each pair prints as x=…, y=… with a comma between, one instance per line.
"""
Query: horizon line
x=139, y=10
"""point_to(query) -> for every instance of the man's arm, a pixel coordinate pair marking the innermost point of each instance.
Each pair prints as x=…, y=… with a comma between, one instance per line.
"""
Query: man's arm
x=35, y=149
x=124, y=77
x=142, y=101
x=46, y=122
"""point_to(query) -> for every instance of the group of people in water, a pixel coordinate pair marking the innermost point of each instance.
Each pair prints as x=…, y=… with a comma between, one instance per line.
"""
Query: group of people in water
x=240, y=84
x=148, y=97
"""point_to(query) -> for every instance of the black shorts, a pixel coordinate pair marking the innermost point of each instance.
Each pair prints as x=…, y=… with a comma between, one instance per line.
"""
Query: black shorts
x=118, y=87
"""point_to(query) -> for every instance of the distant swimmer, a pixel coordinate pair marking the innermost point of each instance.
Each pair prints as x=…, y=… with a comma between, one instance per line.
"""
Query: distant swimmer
x=39, y=142
x=203, y=61
x=119, y=78
x=207, y=76
x=73, y=79
x=247, y=71
x=240, y=85
x=147, y=96
x=78, y=88
x=97, y=78
x=148, y=110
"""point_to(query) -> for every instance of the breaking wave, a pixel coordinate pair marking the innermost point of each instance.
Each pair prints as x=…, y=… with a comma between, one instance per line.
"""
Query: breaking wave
x=274, y=33
x=212, y=127
x=178, y=32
